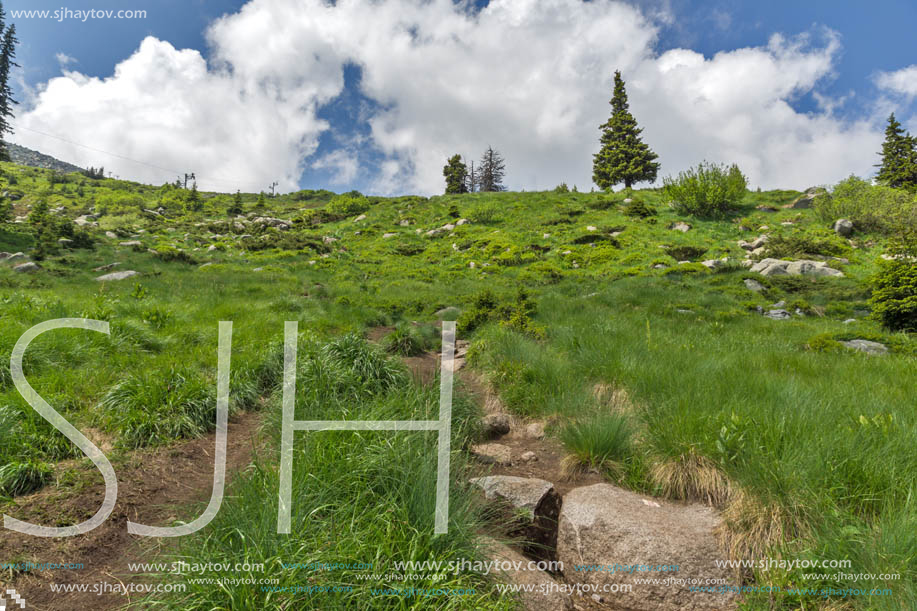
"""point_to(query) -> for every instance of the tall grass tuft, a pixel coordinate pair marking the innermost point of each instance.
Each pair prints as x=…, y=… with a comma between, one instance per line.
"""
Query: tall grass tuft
x=600, y=441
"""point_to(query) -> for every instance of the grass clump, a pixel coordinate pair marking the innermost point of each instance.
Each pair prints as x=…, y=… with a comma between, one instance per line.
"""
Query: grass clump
x=154, y=408
x=602, y=441
x=17, y=478
x=404, y=341
x=707, y=190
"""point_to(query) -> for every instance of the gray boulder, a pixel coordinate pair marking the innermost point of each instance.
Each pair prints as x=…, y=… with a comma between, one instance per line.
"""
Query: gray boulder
x=605, y=525
x=680, y=226
x=869, y=347
x=26, y=268
x=778, y=314
x=753, y=285
x=495, y=425
x=493, y=454
x=843, y=227
x=118, y=276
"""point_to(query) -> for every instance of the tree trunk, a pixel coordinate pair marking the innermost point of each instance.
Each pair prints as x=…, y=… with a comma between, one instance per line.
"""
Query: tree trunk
x=627, y=183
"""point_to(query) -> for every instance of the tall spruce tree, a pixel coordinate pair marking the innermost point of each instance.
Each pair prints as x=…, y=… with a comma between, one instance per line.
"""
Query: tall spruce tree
x=7, y=54
x=491, y=171
x=624, y=157
x=456, y=174
x=899, y=157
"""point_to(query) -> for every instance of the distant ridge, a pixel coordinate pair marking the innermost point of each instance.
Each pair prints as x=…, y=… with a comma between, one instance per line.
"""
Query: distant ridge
x=26, y=156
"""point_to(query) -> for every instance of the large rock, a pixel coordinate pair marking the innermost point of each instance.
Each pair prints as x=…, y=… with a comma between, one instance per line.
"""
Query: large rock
x=843, y=227
x=864, y=345
x=495, y=425
x=680, y=226
x=531, y=508
x=118, y=276
x=806, y=200
x=26, y=268
x=778, y=267
x=607, y=526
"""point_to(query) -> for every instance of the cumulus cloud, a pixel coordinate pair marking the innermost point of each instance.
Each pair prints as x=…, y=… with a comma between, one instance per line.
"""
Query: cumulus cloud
x=531, y=78
x=63, y=59
x=903, y=82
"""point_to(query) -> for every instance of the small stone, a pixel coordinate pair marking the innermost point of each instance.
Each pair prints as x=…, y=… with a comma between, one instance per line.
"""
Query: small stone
x=362, y=217
x=778, y=315
x=591, y=228
x=850, y=320
x=535, y=430
x=495, y=425
x=386, y=236
x=680, y=226
x=546, y=236
x=528, y=457
x=131, y=243
x=753, y=285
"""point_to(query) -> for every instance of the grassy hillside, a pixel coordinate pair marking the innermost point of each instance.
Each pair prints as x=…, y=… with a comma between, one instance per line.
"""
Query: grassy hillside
x=583, y=308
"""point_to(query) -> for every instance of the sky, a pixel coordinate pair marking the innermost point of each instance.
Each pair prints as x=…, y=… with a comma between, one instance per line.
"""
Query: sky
x=375, y=95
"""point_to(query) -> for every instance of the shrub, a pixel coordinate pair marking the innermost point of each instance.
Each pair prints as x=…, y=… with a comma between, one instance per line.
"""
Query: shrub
x=708, y=190
x=636, y=208
x=348, y=204
x=561, y=188
x=169, y=253
x=685, y=252
x=799, y=244
x=870, y=208
x=894, y=288
x=484, y=214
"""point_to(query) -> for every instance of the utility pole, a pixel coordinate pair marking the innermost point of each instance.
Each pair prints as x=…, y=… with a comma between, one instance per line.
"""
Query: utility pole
x=273, y=184
x=187, y=176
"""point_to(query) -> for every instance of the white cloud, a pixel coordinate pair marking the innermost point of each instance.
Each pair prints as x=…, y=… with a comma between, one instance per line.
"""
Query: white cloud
x=530, y=77
x=343, y=163
x=903, y=81
x=63, y=59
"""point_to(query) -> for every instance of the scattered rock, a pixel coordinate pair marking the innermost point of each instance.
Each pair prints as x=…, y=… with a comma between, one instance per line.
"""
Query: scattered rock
x=680, y=226
x=26, y=268
x=528, y=457
x=405, y=223
x=591, y=228
x=715, y=263
x=495, y=425
x=493, y=453
x=850, y=321
x=211, y=248
x=525, y=495
x=386, y=236
x=605, y=525
x=461, y=222
x=362, y=217
x=118, y=276
x=546, y=236
x=105, y=268
x=111, y=235
x=869, y=347
x=806, y=200
x=778, y=267
x=763, y=208
x=843, y=227
x=535, y=430
x=131, y=243
x=778, y=314
x=753, y=285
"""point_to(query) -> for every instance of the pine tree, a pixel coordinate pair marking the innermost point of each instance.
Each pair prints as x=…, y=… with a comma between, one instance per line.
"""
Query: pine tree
x=624, y=157
x=455, y=173
x=236, y=206
x=492, y=171
x=7, y=54
x=899, y=157
x=6, y=210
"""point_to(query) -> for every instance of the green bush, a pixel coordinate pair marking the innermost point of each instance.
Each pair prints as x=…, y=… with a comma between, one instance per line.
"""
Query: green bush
x=484, y=214
x=869, y=207
x=348, y=204
x=684, y=252
x=708, y=190
x=801, y=244
x=894, y=293
x=636, y=208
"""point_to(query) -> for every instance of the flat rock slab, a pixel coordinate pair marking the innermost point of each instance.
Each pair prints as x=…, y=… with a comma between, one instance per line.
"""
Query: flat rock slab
x=605, y=526
x=493, y=454
x=118, y=276
x=778, y=267
x=26, y=268
x=864, y=345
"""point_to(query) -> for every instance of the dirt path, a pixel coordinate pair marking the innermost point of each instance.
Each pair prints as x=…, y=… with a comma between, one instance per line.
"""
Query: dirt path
x=155, y=487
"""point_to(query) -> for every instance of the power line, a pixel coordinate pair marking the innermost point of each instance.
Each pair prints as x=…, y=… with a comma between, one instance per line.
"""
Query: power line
x=97, y=150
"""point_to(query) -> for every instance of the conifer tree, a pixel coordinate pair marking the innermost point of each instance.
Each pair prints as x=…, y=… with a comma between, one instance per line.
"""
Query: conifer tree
x=491, y=171
x=624, y=157
x=899, y=157
x=455, y=173
x=7, y=54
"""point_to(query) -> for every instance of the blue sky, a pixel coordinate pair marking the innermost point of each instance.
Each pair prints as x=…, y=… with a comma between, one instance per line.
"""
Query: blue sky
x=870, y=38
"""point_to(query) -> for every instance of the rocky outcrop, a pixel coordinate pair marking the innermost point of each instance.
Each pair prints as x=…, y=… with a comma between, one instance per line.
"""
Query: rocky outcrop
x=779, y=267
x=602, y=525
x=118, y=276
x=867, y=346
